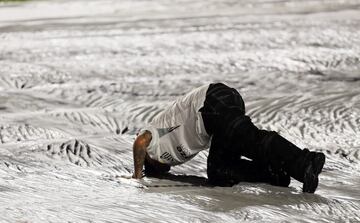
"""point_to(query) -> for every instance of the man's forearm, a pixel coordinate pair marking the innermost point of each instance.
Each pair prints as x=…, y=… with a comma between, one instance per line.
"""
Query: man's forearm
x=139, y=158
x=139, y=153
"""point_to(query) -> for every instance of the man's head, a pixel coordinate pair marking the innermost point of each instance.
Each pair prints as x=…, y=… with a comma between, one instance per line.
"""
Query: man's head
x=153, y=167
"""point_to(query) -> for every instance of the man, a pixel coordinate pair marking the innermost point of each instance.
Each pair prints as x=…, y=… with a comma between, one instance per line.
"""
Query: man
x=214, y=116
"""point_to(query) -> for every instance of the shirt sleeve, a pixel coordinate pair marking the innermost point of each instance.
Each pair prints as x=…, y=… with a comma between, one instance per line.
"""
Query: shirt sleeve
x=154, y=143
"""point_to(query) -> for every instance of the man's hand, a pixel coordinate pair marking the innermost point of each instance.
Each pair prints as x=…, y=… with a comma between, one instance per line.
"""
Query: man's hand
x=139, y=152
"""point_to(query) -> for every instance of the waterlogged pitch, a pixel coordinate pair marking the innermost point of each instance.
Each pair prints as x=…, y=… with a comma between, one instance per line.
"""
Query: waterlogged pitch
x=78, y=78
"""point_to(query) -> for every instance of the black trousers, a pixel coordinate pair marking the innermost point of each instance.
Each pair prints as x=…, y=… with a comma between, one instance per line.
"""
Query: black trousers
x=234, y=136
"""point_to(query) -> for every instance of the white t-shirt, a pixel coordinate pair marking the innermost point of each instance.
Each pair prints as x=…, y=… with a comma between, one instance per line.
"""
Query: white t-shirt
x=178, y=133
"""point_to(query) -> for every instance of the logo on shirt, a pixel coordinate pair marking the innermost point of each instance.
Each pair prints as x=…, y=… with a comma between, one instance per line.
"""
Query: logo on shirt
x=165, y=131
x=167, y=156
x=184, y=152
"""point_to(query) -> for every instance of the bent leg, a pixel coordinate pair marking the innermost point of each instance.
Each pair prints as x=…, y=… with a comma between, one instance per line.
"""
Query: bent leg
x=224, y=117
x=303, y=165
x=226, y=169
x=224, y=111
x=269, y=148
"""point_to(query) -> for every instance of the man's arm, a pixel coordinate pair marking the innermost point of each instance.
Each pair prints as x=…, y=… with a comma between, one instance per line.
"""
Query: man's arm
x=139, y=152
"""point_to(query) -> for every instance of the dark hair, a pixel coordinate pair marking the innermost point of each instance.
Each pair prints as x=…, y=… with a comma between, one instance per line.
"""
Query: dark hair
x=149, y=169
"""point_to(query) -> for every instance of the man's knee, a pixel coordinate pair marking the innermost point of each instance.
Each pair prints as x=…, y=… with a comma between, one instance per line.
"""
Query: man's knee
x=218, y=176
x=216, y=173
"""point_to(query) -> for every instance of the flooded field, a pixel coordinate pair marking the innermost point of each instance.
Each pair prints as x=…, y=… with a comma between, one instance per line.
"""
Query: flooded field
x=78, y=79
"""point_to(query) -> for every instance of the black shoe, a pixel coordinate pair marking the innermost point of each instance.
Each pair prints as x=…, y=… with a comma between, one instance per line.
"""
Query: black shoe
x=312, y=171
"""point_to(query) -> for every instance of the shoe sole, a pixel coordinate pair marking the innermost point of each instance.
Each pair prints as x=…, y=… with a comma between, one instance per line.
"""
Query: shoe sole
x=311, y=178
